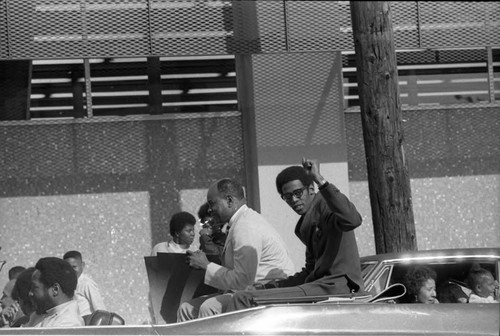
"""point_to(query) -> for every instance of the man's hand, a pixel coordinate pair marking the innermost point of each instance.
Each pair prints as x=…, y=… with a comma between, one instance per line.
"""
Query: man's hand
x=197, y=259
x=8, y=314
x=312, y=170
x=206, y=231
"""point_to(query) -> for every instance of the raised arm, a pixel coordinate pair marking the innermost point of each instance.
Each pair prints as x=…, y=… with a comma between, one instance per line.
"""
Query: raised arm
x=348, y=217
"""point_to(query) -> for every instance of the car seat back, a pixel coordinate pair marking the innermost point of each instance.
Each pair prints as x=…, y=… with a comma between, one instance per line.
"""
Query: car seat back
x=104, y=317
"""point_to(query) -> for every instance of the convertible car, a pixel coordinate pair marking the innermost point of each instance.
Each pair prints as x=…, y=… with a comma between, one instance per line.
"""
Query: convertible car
x=373, y=314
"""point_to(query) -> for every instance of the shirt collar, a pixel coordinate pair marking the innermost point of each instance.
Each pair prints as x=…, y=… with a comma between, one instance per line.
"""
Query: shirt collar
x=57, y=309
x=236, y=215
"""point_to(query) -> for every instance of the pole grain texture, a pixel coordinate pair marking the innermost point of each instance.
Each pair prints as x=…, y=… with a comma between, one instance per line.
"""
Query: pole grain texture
x=388, y=176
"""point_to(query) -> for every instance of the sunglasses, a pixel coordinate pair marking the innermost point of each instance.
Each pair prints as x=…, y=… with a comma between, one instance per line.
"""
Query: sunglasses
x=288, y=197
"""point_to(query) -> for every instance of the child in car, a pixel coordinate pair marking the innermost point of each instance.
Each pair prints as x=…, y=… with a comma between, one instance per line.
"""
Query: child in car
x=484, y=286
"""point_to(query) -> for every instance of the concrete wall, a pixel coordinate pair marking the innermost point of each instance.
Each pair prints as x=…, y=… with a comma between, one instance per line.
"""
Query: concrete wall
x=454, y=164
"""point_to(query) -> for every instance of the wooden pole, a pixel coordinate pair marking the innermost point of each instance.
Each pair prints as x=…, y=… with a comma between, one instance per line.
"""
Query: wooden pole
x=388, y=178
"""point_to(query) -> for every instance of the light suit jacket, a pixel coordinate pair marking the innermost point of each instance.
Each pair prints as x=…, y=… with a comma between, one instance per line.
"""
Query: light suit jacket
x=254, y=252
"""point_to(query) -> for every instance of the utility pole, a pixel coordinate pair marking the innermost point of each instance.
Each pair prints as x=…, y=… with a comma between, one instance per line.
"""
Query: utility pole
x=388, y=178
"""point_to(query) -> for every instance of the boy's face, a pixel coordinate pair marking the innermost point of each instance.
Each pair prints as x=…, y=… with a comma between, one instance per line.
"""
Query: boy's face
x=487, y=286
x=77, y=265
x=186, y=235
x=297, y=196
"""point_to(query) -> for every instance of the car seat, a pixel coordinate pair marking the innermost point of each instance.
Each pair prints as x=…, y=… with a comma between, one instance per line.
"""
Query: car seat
x=103, y=317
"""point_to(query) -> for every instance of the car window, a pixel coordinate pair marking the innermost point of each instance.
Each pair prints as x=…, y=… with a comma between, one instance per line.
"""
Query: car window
x=380, y=282
x=449, y=270
x=366, y=268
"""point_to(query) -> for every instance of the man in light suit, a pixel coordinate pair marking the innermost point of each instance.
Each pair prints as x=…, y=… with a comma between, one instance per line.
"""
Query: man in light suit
x=254, y=252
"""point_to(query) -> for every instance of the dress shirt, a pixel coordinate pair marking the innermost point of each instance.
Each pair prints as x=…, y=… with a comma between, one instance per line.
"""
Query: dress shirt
x=88, y=296
x=63, y=315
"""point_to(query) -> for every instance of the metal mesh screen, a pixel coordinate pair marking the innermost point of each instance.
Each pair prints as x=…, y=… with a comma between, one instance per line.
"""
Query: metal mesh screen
x=496, y=74
x=41, y=28
x=315, y=25
x=293, y=87
x=105, y=28
x=211, y=27
x=269, y=27
x=326, y=25
x=418, y=57
x=116, y=28
x=405, y=24
x=65, y=28
x=442, y=56
x=450, y=23
x=202, y=152
x=3, y=31
x=80, y=157
x=36, y=152
x=438, y=142
x=188, y=27
x=110, y=148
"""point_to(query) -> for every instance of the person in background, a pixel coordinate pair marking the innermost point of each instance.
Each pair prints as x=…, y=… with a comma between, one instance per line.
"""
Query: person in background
x=182, y=232
x=212, y=236
x=254, y=252
x=20, y=293
x=10, y=307
x=450, y=292
x=53, y=286
x=326, y=226
x=15, y=271
x=87, y=292
x=420, y=282
x=483, y=285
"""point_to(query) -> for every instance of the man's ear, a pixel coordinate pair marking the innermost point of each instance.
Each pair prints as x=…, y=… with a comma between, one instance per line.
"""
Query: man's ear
x=311, y=189
x=55, y=289
x=230, y=200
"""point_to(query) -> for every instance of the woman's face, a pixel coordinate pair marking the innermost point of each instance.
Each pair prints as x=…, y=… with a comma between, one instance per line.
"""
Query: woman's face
x=487, y=286
x=427, y=293
x=186, y=235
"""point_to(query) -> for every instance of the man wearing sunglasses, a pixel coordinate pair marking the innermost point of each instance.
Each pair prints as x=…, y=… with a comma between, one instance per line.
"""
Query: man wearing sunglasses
x=326, y=224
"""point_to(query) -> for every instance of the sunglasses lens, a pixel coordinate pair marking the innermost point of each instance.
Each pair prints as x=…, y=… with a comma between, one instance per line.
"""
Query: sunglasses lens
x=297, y=193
